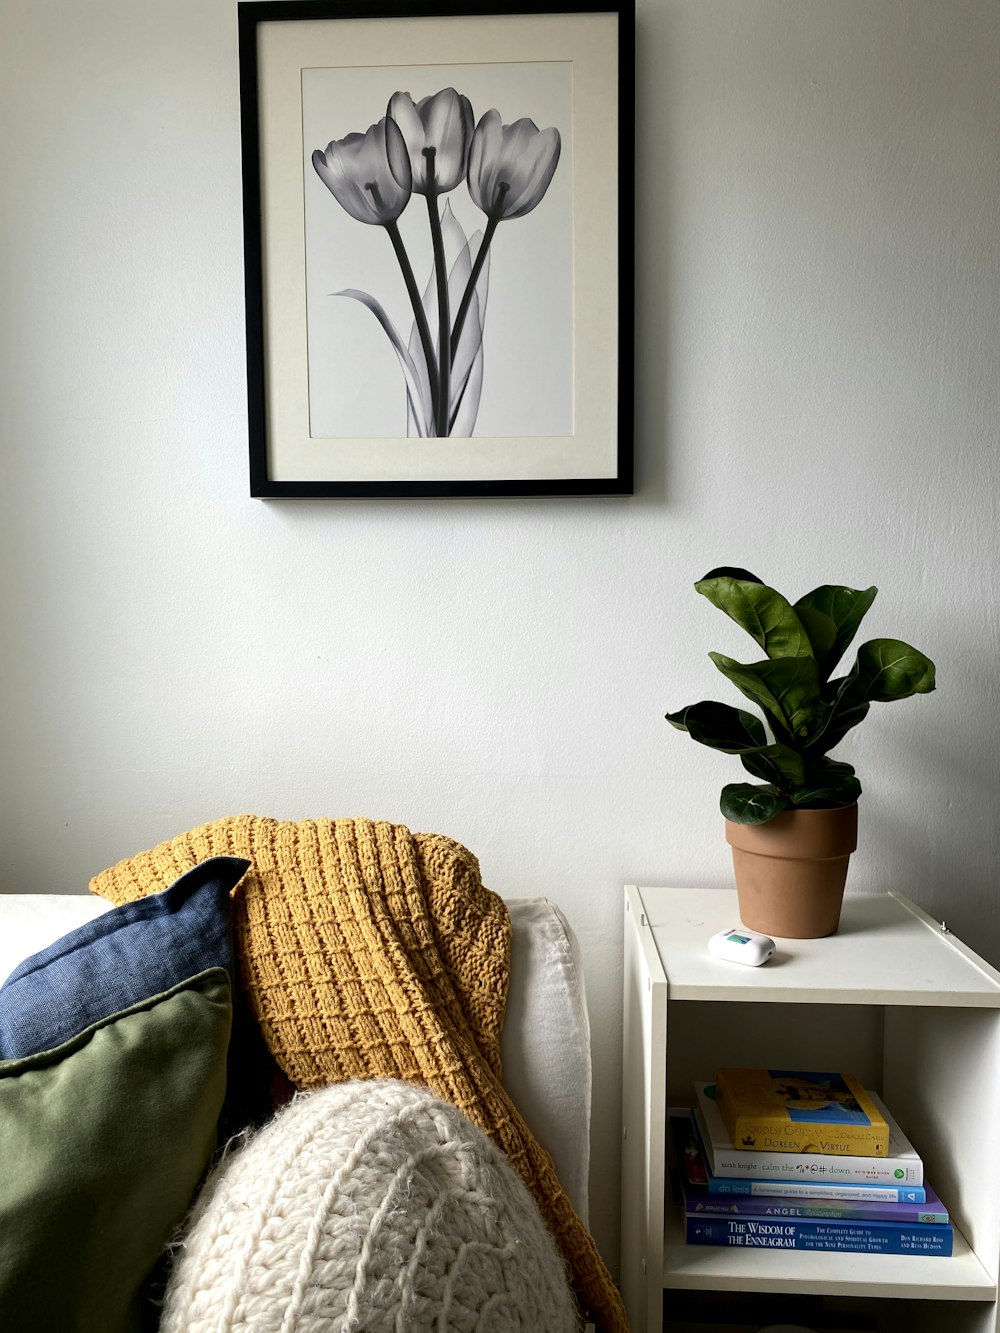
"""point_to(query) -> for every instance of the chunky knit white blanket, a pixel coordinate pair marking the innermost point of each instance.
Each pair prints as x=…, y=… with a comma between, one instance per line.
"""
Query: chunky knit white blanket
x=367, y=1207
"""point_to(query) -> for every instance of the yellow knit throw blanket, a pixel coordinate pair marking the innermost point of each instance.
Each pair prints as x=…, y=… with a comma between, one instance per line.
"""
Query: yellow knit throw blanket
x=367, y=951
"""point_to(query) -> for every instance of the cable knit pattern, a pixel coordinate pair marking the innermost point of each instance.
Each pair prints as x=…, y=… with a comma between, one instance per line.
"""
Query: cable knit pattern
x=368, y=952
x=368, y=1207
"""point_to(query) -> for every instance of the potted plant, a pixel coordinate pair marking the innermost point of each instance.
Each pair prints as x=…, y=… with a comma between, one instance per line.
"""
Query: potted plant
x=793, y=831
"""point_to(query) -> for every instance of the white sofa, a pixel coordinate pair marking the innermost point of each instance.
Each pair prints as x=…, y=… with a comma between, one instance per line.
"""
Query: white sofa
x=545, y=1044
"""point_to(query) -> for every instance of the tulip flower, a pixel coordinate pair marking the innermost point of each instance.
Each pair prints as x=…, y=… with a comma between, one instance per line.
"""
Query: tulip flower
x=436, y=132
x=510, y=166
x=356, y=172
x=434, y=135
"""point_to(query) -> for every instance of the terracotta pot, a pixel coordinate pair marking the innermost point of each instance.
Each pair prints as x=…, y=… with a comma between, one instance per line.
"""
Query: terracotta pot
x=791, y=871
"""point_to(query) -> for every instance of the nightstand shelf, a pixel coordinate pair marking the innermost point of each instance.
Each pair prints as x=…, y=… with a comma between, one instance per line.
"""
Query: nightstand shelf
x=893, y=997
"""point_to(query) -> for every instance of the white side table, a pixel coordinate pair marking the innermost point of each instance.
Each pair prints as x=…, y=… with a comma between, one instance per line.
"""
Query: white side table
x=892, y=997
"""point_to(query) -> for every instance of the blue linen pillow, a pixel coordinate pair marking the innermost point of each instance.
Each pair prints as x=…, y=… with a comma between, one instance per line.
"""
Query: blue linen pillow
x=120, y=959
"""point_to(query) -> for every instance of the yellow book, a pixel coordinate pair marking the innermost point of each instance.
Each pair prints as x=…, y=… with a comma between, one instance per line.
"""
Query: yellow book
x=788, y=1110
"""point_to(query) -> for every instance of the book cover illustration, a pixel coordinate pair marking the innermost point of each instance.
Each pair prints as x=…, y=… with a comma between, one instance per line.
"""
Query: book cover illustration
x=694, y=1180
x=801, y=1233
x=902, y=1166
x=792, y=1110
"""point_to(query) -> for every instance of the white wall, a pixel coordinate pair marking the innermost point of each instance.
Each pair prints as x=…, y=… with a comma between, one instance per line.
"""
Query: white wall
x=818, y=198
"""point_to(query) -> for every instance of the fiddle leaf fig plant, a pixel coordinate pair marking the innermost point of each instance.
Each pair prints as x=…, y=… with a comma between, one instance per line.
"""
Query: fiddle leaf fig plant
x=806, y=709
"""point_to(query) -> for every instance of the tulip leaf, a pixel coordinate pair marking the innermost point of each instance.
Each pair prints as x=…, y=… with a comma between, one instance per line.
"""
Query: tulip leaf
x=426, y=425
x=776, y=764
x=720, y=726
x=417, y=407
x=763, y=613
x=467, y=404
x=787, y=689
x=745, y=803
x=828, y=785
x=467, y=362
x=831, y=615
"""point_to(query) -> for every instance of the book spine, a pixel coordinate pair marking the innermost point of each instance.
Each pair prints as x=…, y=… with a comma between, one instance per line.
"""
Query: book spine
x=810, y=1166
x=746, y=1205
x=769, y=1189
x=811, y=1234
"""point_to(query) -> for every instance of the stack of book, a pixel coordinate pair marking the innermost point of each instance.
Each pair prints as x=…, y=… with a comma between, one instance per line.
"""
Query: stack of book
x=765, y=1159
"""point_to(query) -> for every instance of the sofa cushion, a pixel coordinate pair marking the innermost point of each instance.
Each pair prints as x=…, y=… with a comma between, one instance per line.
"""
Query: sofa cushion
x=103, y=1140
x=119, y=959
x=368, y=1205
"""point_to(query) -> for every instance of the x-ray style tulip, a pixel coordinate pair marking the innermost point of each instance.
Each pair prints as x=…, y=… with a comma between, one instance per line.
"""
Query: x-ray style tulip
x=436, y=133
x=429, y=147
x=511, y=166
x=356, y=172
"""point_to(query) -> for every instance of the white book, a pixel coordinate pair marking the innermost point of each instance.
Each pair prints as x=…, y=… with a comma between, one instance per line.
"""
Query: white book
x=901, y=1166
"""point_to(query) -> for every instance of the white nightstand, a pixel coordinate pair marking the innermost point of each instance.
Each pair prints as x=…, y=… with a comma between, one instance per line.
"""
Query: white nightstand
x=891, y=997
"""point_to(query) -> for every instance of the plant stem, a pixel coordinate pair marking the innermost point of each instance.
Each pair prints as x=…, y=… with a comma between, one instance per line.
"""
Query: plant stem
x=470, y=286
x=444, y=307
x=419, y=314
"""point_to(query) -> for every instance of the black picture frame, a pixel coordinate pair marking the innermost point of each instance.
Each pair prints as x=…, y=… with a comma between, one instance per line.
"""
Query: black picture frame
x=281, y=441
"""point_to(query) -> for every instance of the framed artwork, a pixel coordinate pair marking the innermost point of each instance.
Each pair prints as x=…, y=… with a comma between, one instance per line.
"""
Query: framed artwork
x=438, y=247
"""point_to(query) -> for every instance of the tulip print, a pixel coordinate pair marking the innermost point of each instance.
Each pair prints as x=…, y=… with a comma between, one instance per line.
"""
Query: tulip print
x=431, y=147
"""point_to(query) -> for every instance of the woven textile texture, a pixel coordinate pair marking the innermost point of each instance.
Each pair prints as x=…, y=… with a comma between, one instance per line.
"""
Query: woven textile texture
x=370, y=952
x=369, y=1207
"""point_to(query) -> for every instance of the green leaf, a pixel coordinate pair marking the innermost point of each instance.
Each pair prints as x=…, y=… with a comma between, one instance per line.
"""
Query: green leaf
x=787, y=689
x=744, y=803
x=888, y=669
x=829, y=785
x=776, y=764
x=730, y=572
x=831, y=615
x=679, y=719
x=834, y=718
x=763, y=613
x=720, y=726
x=885, y=669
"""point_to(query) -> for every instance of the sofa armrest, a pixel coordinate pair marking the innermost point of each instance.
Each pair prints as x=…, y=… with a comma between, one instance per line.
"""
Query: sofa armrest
x=545, y=1043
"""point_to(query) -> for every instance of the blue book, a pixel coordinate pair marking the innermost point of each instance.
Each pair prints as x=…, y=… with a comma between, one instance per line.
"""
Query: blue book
x=691, y=1156
x=810, y=1233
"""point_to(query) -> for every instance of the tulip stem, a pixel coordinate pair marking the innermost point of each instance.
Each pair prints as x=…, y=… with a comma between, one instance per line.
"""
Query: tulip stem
x=444, y=306
x=419, y=314
x=470, y=286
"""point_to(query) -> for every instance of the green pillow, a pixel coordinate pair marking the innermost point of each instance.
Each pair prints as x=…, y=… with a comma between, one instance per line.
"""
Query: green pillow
x=103, y=1141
